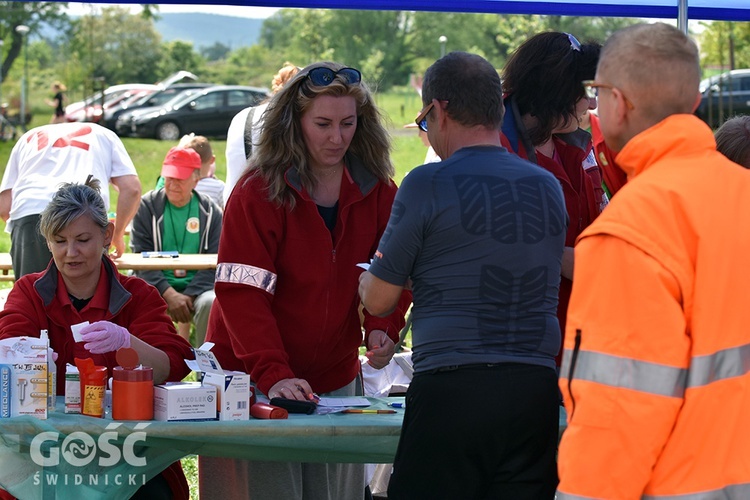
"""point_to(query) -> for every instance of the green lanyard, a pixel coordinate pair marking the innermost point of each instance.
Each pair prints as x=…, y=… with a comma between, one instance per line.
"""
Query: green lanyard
x=181, y=244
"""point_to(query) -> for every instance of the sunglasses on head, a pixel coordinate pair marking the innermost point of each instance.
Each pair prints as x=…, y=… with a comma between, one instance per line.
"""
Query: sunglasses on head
x=322, y=77
x=574, y=43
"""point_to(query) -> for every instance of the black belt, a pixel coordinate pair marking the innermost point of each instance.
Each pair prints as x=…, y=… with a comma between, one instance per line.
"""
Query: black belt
x=472, y=366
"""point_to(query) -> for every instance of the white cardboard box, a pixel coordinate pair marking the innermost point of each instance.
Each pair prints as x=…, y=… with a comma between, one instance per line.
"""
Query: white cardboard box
x=23, y=377
x=180, y=401
x=233, y=391
x=72, y=389
x=233, y=388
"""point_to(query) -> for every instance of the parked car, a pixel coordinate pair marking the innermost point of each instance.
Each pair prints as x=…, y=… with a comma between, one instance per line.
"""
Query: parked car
x=724, y=96
x=93, y=107
x=157, y=98
x=207, y=112
x=123, y=126
x=90, y=109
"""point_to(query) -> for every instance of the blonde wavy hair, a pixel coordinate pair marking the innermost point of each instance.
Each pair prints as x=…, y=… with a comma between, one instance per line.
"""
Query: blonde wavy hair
x=281, y=144
x=282, y=76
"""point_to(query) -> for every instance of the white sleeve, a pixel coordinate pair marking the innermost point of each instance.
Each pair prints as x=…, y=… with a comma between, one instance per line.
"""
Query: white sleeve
x=11, y=169
x=121, y=162
x=235, y=151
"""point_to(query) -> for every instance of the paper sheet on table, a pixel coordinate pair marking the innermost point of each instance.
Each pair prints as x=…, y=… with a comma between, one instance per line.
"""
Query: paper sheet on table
x=343, y=402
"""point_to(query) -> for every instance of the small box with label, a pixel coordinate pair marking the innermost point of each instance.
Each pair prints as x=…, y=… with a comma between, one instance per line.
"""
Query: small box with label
x=23, y=377
x=181, y=401
x=233, y=388
x=72, y=389
x=233, y=394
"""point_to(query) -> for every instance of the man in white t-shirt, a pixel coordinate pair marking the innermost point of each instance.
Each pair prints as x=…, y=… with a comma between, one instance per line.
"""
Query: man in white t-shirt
x=45, y=157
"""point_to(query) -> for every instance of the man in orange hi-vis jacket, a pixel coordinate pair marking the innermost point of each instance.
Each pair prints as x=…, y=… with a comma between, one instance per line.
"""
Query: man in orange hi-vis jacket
x=657, y=351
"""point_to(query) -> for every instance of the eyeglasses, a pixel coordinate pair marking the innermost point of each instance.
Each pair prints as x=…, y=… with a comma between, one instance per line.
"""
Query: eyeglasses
x=592, y=91
x=574, y=43
x=322, y=77
x=421, y=120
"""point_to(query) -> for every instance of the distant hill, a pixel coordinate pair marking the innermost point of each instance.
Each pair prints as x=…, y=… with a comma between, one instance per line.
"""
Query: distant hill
x=204, y=30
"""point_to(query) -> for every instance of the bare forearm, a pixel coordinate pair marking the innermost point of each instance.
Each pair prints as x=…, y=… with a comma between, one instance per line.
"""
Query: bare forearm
x=153, y=357
x=6, y=199
x=128, y=202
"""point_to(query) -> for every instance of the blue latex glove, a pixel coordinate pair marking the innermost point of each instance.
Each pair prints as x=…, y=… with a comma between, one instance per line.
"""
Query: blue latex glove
x=103, y=336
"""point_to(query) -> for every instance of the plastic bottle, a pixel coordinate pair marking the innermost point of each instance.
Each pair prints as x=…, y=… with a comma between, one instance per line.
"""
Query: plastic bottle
x=93, y=380
x=132, y=388
x=51, y=374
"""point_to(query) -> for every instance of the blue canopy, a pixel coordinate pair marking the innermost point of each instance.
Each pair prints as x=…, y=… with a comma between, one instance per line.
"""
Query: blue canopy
x=720, y=10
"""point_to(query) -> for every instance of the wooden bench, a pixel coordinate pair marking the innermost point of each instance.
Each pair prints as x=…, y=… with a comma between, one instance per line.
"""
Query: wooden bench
x=133, y=262
x=6, y=268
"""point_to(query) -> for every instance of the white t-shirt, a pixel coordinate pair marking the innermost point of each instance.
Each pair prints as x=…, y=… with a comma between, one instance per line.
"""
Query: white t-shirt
x=213, y=188
x=235, y=149
x=47, y=156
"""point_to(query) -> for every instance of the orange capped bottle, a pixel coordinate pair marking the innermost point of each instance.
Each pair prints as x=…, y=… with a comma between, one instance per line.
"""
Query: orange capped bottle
x=132, y=388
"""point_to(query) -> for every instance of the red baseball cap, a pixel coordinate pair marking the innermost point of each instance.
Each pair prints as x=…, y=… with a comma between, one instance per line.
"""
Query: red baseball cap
x=180, y=163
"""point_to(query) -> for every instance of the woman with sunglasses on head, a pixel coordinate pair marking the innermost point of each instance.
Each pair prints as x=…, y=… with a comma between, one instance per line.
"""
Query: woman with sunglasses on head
x=313, y=204
x=545, y=101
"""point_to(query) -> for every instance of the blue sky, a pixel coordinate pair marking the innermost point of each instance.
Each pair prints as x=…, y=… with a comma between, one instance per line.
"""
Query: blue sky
x=78, y=8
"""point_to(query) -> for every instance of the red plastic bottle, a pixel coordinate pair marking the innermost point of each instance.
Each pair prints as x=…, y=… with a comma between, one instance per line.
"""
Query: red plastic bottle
x=132, y=388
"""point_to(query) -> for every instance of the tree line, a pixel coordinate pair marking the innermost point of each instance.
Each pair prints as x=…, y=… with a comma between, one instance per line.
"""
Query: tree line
x=387, y=46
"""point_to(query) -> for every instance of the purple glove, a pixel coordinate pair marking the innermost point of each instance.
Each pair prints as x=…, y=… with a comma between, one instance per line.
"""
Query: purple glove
x=103, y=336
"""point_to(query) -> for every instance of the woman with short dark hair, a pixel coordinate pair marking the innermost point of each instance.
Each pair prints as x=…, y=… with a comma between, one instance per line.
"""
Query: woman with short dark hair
x=545, y=100
x=733, y=140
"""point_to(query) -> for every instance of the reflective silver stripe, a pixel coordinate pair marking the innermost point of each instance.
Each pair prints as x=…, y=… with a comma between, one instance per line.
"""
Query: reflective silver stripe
x=630, y=373
x=658, y=379
x=243, y=274
x=559, y=495
x=729, y=363
x=731, y=492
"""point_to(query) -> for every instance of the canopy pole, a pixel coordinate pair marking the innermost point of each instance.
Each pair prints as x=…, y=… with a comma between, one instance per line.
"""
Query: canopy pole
x=682, y=16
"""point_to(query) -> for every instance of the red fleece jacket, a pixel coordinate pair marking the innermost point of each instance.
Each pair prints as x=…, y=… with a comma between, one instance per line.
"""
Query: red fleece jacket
x=286, y=289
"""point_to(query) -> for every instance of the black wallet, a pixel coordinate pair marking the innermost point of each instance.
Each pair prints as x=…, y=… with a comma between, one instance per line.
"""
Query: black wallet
x=295, y=406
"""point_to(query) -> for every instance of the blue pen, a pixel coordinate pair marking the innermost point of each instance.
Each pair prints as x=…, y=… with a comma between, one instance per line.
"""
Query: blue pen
x=397, y=405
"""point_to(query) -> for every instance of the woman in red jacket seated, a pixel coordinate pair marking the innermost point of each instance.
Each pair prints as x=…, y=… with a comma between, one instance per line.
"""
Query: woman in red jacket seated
x=82, y=284
x=544, y=103
x=312, y=205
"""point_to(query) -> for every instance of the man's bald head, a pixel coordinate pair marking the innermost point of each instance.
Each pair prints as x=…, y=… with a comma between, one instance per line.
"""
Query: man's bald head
x=656, y=66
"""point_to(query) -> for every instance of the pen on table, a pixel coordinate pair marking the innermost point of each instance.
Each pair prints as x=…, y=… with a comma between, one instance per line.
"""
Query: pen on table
x=379, y=412
x=397, y=405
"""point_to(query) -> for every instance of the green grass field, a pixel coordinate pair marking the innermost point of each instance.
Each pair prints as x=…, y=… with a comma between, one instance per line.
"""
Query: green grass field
x=399, y=108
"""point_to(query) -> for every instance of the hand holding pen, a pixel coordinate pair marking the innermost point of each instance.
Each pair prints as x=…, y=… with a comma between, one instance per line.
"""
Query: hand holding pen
x=380, y=349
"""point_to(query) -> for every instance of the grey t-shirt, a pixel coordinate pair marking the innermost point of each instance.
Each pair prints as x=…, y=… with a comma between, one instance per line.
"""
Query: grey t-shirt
x=481, y=235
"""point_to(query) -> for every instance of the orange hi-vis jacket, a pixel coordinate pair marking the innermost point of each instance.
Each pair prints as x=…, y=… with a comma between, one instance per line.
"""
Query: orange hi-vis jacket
x=656, y=369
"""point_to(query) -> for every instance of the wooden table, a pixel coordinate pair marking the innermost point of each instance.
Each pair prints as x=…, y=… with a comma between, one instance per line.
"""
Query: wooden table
x=189, y=262
x=136, y=262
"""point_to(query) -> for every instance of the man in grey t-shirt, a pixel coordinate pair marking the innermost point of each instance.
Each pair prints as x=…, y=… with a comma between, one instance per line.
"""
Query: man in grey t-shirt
x=480, y=235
